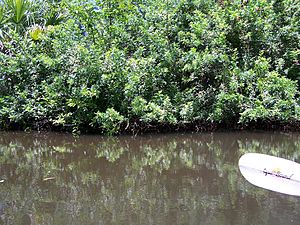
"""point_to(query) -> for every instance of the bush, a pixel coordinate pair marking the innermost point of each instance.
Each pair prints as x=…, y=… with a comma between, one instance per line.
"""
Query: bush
x=257, y=95
x=109, y=121
x=275, y=100
x=150, y=61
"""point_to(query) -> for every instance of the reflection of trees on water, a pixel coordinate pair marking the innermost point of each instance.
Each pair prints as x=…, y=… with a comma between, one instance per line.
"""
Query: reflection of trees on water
x=284, y=145
x=169, y=179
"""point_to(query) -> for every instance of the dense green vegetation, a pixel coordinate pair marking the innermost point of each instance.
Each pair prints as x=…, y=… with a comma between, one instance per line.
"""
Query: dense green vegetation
x=122, y=64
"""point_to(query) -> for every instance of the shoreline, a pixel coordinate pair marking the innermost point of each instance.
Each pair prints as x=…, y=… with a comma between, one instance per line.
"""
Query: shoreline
x=139, y=128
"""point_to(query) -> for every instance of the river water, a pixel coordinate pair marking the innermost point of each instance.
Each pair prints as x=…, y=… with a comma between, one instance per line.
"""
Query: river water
x=54, y=178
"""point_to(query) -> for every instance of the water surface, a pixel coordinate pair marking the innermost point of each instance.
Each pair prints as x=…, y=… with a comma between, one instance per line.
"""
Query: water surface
x=171, y=179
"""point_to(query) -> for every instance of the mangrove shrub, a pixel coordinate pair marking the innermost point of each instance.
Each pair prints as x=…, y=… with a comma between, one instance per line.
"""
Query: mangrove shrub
x=108, y=65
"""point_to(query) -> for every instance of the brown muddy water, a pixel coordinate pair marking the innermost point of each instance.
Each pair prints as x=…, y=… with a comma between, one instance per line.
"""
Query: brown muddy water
x=171, y=179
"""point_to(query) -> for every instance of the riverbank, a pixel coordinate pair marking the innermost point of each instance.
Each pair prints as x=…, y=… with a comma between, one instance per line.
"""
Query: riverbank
x=136, y=127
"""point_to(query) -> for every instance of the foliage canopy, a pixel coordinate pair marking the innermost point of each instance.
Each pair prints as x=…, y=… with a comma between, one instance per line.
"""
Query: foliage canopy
x=105, y=64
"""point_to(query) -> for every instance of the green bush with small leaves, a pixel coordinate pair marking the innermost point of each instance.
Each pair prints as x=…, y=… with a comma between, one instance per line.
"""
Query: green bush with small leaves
x=102, y=64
